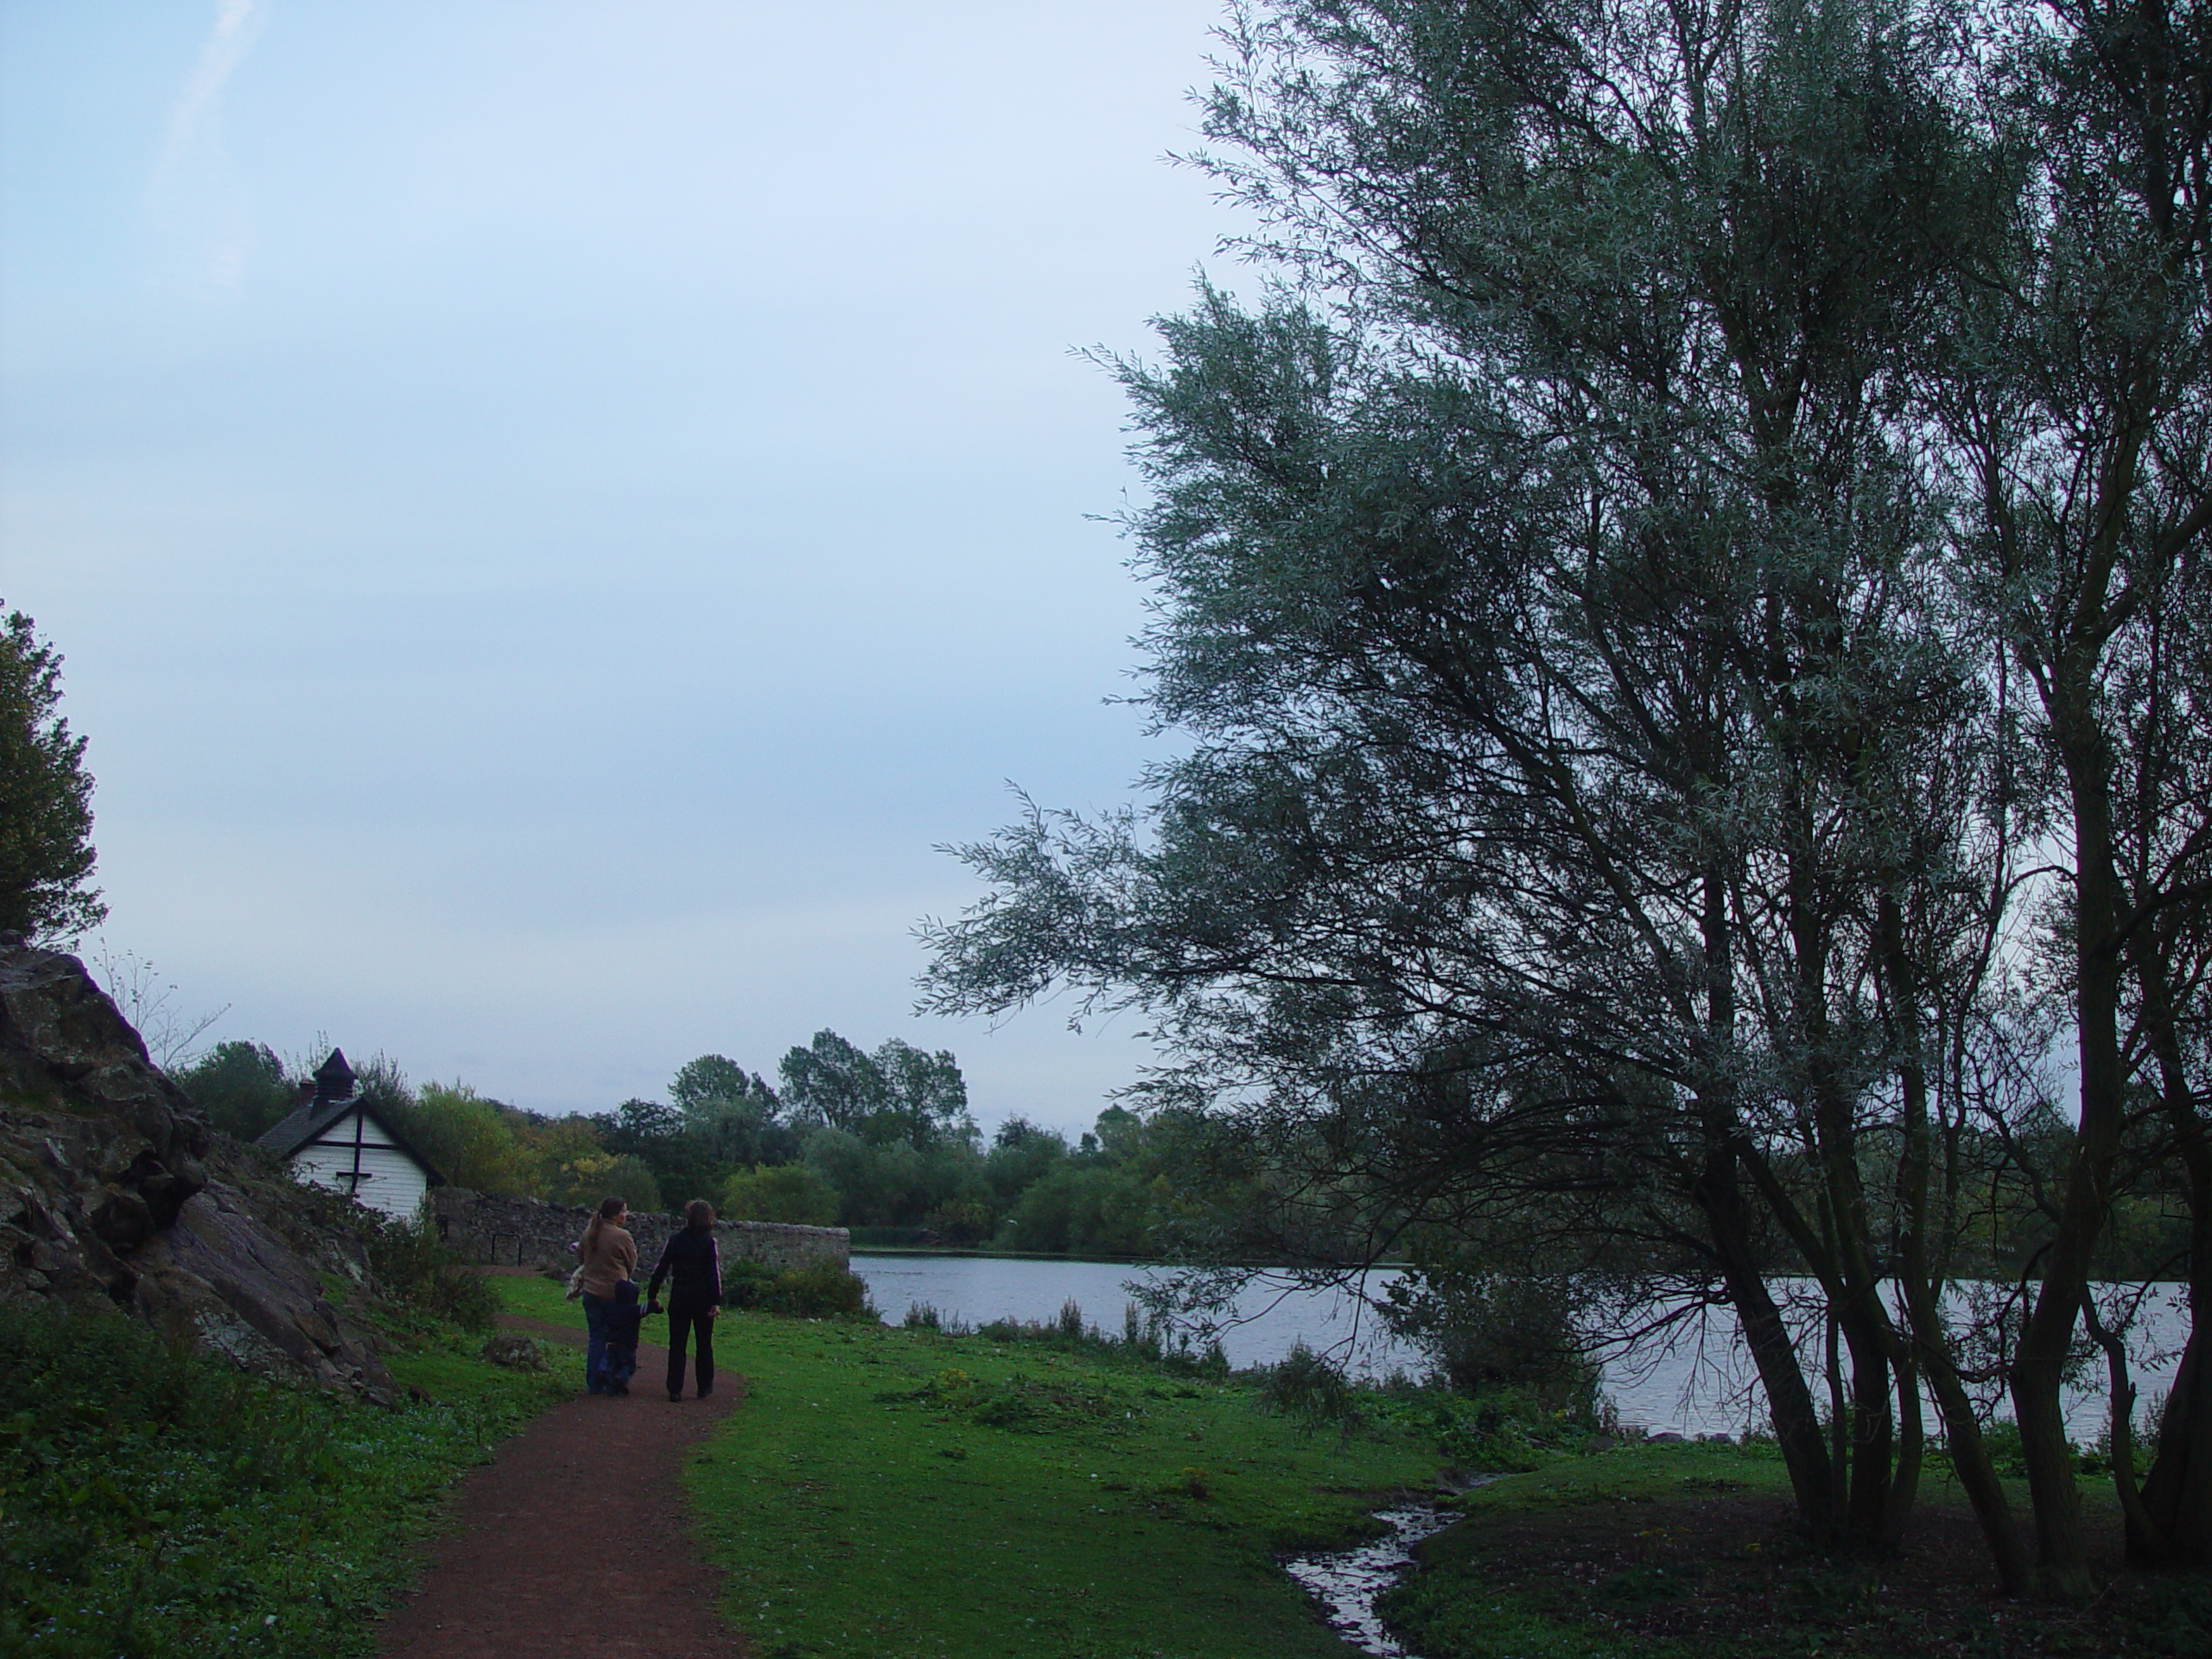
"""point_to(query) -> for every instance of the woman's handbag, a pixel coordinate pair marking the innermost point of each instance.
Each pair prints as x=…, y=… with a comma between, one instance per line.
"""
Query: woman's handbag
x=576, y=1284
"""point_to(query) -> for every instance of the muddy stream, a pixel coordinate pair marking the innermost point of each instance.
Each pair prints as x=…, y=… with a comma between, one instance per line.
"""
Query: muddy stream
x=1346, y=1582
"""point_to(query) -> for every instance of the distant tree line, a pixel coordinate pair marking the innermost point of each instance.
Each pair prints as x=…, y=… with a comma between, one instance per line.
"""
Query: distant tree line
x=845, y=1137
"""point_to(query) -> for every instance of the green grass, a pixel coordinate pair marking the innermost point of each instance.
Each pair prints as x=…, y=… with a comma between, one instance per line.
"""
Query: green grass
x=1459, y=1606
x=898, y=1493
x=906, y=1495
x=1632, y=1474
x=1689, y=1552
x=156, y=1503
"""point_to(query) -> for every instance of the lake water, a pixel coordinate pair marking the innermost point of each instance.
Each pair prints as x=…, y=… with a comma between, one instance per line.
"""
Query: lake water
x=1702, y=1383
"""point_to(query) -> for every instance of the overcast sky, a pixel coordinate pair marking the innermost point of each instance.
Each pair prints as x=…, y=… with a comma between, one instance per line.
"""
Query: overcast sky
x=552, y=509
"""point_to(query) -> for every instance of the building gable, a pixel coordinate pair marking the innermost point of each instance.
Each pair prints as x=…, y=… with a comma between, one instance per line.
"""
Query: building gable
x=339, y=1141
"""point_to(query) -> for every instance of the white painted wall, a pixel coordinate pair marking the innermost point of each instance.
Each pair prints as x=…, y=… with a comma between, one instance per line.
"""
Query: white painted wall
x=391, y=1180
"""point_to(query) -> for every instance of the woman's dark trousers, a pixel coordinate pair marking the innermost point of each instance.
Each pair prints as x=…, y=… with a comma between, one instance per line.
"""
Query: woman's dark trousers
x=596, y=1308
x=686, y=1321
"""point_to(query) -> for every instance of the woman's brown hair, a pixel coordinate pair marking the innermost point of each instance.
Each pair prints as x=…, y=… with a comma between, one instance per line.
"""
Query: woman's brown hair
x=698, y=1214
x=608, y=1210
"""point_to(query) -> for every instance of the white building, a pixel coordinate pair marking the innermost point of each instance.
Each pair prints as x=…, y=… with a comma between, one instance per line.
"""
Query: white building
x=339, y=1141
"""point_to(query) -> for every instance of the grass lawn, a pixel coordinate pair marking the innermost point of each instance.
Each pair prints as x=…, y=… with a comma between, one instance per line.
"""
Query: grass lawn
x=893, y=1494
x=902, y=1495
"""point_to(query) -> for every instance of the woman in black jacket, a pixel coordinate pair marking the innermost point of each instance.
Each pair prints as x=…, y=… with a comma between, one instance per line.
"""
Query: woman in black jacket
x=692, y=1263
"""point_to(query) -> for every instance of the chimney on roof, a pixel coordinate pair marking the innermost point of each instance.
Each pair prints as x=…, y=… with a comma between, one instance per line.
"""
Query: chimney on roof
x=334, y=1078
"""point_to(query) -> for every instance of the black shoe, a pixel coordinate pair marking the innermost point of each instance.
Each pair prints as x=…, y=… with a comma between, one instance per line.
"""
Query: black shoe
x=674, y=1399
x=704, y=1392
x=619, y=1388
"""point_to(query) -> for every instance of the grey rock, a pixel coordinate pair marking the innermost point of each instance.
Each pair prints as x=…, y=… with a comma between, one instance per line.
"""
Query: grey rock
x=519, y=1353
x=112, y=1187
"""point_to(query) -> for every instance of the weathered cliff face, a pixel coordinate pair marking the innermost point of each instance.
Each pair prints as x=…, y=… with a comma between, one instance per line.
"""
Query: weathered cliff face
x=110, y=1186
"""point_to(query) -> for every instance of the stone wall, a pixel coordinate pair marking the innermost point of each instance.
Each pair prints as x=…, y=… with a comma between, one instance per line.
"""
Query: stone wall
x=525, y=1233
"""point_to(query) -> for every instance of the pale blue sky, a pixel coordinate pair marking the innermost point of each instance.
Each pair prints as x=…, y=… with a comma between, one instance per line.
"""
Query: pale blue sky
x=552, y=508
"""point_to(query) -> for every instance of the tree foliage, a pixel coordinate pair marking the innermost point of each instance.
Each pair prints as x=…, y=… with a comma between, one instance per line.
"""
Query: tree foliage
x=794, y=1194
x=241, y=1087
x=1674, y=595
x=897, y=1093
x=46, y=797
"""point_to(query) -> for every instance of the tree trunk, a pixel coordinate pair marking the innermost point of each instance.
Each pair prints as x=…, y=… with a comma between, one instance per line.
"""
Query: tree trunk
x=2176, y=1495
x=2174, y=1526
x=1790, y=1400
x=1719, y=1193
x=1904, y=1488
x=1917, y=1270
x=2039, y=1366
x=1866, y=1517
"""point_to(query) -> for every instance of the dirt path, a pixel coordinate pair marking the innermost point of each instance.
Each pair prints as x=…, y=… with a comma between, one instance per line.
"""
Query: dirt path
x=575, y=1539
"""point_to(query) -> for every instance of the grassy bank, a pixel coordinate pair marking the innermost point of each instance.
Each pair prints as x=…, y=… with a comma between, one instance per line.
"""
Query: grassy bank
x=905, y=1494
x=1689, y=1552
x=896, y=1494
x=158, y=1504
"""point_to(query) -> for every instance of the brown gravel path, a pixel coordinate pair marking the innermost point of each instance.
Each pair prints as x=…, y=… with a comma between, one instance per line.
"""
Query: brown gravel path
x=576, y=1539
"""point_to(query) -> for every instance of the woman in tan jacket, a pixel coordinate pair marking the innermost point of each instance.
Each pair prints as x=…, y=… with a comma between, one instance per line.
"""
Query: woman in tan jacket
x=607, y=1256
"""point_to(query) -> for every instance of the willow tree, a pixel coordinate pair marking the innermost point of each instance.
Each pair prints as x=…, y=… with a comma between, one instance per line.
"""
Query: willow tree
x=1587, y=761
x=2077, y=407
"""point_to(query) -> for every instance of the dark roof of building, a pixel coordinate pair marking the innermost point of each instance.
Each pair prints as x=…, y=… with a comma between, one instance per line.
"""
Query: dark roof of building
x=337, y=1094
x=334, y=1078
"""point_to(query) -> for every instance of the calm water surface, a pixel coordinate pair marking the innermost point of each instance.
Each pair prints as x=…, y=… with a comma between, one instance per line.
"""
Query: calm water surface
x=1701, y=1384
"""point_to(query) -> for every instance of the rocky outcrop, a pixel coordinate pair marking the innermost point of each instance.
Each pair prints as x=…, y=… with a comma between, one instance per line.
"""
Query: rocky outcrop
x=111, y=1186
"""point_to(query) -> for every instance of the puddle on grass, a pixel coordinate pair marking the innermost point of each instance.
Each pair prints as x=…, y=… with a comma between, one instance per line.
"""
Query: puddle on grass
x=1346, y=1581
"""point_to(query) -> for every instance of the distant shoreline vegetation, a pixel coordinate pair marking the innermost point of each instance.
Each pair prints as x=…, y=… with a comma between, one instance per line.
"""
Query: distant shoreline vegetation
x=905, y=1240
x=882, y=1142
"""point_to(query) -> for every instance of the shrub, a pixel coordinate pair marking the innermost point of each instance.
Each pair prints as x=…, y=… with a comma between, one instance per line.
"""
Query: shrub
x=817, y=1293
x=962, y=1221
x=1486, y=1332
x=2008, y=1452
x=1142, y=1342
x=924, y=1316
x=414, y=1268
x=822, y=1293
x=1505, y=1429
x=745, y=1282
x=1310, y=1387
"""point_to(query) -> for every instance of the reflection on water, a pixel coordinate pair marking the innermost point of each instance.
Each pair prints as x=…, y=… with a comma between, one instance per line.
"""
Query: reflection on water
x=1700, y=1385
x=1269, y=1321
